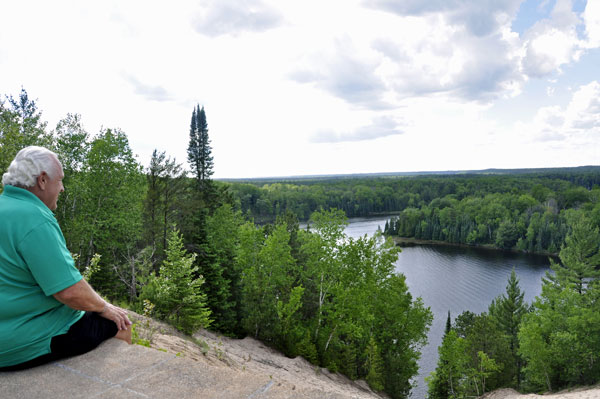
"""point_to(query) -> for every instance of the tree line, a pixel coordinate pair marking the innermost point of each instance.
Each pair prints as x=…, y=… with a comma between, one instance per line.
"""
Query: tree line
x=549, y=345
x=535, y=220
x=358, y=196
x=526, y=211
x=178, y=246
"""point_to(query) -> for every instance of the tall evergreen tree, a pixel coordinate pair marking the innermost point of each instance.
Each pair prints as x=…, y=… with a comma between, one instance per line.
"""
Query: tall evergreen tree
x=439, y=387
x=203, y=202
x=507, y=311
x=152, y=200
x=448, y=324
x=224, y=289
x=199, y=149
x=374, y=365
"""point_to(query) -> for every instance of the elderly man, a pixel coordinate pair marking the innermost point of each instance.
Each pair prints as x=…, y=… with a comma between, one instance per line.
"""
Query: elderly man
x=47, y=311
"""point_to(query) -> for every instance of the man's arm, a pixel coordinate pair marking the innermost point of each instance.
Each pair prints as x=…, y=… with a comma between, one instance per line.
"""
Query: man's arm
x=81, y=296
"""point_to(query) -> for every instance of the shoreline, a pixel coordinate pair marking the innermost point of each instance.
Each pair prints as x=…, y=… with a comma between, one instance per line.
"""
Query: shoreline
x=408, y=241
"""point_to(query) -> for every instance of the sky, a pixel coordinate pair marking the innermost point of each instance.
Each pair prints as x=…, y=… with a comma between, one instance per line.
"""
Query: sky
x=318, y=87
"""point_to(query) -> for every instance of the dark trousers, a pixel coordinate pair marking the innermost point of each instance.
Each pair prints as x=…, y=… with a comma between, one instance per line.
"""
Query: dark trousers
x=83, y=336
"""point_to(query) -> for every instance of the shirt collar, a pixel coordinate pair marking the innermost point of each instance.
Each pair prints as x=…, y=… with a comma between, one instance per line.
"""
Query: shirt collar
x=25, y=195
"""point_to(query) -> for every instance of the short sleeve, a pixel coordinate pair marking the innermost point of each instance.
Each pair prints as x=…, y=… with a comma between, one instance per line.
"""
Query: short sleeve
x=45, y=252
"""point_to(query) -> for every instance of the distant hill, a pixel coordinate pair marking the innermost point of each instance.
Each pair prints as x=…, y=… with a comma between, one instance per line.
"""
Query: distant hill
x=522, y=171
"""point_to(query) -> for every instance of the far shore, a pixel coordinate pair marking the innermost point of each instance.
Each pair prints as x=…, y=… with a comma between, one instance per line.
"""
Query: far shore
x=408, y=241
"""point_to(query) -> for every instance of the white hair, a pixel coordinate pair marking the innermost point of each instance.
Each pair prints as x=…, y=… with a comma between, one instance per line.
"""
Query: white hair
x=29, y=163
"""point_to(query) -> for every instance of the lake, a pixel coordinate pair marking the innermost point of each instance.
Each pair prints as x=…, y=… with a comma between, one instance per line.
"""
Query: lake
x=456, y=279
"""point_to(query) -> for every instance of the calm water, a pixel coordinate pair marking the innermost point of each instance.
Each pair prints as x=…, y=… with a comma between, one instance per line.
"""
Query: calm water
x=456, y=279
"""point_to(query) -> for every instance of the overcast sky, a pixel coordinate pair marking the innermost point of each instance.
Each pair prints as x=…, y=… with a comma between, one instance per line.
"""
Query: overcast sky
x=320, y=86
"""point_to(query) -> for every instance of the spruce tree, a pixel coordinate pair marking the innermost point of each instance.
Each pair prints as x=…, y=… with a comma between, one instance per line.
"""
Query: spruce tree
x=374, y=365
x=439, y=386
x=177, y=295
x=507, y=311
x=203, y=205
x=448, y=324
x=199, y=149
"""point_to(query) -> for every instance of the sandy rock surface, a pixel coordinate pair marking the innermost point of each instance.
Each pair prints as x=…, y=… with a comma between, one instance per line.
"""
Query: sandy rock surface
x=580, y=393
x=296, y=376
x=250, y=356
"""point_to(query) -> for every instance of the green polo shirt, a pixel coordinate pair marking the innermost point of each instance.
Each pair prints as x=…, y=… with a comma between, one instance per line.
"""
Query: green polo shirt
x=34, y=264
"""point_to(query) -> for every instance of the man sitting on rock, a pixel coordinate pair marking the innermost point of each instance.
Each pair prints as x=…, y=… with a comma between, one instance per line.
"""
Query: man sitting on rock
x=47, y=310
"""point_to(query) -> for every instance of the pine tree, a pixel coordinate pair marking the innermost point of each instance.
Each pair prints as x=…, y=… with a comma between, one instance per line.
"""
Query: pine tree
x=152, y=201
x=439, y=386
x=199, y=150
x=202, y=208
x=222, y=275
x=176, y=294
x=374, y=365
x=307, y=349
x=448, y=324
x=507, y=311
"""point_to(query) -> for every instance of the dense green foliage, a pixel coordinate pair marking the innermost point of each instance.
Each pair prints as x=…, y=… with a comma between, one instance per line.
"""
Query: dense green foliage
x=176, y=295
x=528, y=211
x=181, y=250
x=516, y=219
x=560, y=338
x=334, y=300
x=365, y=196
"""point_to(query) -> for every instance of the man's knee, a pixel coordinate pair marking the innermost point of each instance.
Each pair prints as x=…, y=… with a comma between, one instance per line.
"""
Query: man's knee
x=124, y=335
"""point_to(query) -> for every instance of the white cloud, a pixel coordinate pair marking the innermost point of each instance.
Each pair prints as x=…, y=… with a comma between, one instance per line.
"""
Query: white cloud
x=578, y=122
x=404, y=57
x=591, y=16
x=548, y=48
x=583, y=111
x=553, y=42
x=455, y=48
x=150, y=92
x=447, y=60
x=479, y=18
x=345, y=72
x=381, y=126
x=467, y=50
x=222, y=17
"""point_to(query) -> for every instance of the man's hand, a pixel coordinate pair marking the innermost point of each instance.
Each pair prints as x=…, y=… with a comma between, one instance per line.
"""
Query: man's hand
x=81, y=296
x=116, y=314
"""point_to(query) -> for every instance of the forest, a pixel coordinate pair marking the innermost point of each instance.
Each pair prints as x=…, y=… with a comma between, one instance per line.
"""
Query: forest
x=171, y=242
x=522, y=209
